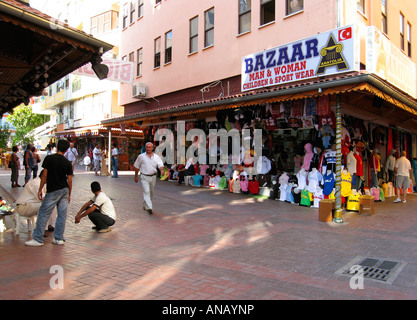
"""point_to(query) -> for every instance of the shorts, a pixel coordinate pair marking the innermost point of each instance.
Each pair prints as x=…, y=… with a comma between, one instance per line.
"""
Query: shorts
x=402, y=182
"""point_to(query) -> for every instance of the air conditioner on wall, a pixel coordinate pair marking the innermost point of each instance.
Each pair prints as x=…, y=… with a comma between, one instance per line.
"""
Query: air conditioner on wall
x=139, y=90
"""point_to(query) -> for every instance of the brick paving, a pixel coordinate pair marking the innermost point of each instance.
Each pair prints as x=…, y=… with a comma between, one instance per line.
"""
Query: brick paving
x=205, y=244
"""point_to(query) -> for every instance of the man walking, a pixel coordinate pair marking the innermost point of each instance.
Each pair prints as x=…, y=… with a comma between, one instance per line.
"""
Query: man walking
x=71, y=155
x=100, y=210
x=96, y=158
x=403, y=169
x=147, y=163
x=57, y=175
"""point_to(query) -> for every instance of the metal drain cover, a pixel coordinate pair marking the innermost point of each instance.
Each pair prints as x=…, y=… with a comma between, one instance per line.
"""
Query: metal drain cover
x=373, y=268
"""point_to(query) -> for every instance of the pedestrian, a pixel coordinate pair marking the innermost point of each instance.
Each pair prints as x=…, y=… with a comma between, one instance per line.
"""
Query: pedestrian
x=402, y=169
x=115, y=160
x=28, y=203
x=414, y=166
x=15, y=165
x=390, y=164
x=36, y=161
x=57, y=175
x=96, y=158
x=71, y=155
x=99, y=209
x=28, y=162
x=148, y=163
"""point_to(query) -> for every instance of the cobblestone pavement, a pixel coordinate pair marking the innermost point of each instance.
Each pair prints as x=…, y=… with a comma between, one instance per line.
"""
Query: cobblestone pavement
x=205, y=244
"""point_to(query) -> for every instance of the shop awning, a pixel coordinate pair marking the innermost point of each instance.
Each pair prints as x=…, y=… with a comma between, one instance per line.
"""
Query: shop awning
x=97, y=130
x=365, y=83
x=37, y=50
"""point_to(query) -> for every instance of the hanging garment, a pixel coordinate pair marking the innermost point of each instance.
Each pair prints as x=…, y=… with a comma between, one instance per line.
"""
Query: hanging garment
x=288, y=193
x=329, y=183
x=346, y=184
x=305, y=198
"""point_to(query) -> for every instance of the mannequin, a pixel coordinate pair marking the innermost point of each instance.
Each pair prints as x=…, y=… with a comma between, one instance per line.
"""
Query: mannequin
x=283, y=181
x=314, y=178
x=302, y=179
x=351, y=161
x=328, y=160
x=373, y=167
x=359, y=167
x=308, y=156
x=346, y=185
x=329, y=183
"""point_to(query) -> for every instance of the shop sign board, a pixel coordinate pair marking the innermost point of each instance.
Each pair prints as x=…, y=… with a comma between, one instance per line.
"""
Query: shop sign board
x=389, y=62
x=119, y=70
x=319, y=55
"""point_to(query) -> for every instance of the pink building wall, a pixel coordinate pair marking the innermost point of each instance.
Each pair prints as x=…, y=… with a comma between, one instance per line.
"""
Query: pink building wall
x=223, y=59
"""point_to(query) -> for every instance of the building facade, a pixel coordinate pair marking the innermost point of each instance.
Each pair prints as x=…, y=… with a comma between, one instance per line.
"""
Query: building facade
x=80, y=101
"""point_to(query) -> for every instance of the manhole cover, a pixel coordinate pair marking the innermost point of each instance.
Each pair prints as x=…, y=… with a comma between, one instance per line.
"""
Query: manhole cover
x=373, y=268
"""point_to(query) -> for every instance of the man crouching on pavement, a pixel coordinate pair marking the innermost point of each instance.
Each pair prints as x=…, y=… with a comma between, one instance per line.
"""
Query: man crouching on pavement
x=99, y=209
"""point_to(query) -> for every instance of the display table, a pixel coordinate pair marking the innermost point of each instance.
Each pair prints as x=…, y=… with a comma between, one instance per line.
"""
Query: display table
x=326, y=208
x=366, y=203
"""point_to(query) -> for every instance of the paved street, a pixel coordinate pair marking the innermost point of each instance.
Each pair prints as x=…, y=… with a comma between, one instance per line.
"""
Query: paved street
x=205, y=244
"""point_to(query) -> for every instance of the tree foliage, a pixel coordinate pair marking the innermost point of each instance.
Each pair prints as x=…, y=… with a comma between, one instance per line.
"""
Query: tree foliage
x=24, y=120
x=4, y=136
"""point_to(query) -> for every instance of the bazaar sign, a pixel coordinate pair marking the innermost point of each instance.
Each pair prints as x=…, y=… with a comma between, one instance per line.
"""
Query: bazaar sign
x=320, y=55
x=119, y=70
x=389, y=62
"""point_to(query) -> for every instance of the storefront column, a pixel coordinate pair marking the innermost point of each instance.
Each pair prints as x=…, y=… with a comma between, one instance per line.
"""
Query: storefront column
x=338, y=211
x=109, y=150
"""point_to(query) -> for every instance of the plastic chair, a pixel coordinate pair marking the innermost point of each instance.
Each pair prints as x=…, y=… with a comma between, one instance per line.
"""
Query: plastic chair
x=31, y=222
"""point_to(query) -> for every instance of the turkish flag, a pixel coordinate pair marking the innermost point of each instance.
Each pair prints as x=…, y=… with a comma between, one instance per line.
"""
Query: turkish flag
x=345, y=34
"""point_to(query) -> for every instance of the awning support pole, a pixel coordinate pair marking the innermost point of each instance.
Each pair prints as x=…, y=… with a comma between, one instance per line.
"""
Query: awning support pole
x=338, y=212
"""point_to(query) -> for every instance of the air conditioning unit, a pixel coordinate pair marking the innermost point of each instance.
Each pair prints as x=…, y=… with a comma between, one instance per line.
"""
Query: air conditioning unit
x=139, y=90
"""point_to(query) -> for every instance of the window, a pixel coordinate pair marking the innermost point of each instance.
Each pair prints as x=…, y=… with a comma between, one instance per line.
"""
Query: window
x=409, y=38
x=132, y=57
x=132, y=12
x=140, y=8
x=139, y=60
x=402, y=44
x=267, y=11
x=157, y=54
x=194, y=34
x=244, y=16
x=158, y=2
x=361, y=6
x=384, y=22
x=104, y=23
x=125, y=16
x=124, y=58
x=294, y=6
x=209, y=27
x=168, y=47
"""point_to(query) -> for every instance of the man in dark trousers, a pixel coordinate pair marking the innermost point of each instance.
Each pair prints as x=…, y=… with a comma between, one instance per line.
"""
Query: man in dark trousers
x=57, y=175
x=100, y=210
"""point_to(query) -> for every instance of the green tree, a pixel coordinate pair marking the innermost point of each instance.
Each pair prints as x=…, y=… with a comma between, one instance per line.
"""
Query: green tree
x=24, y=120
x=4, y=136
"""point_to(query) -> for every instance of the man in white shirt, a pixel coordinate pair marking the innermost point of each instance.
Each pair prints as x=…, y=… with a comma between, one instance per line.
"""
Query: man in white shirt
x=71, y=155
x=96, y=158
x=115, y=160
x=402, y=169
x=28, y=203
x=100, y=210
x=148, y=163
